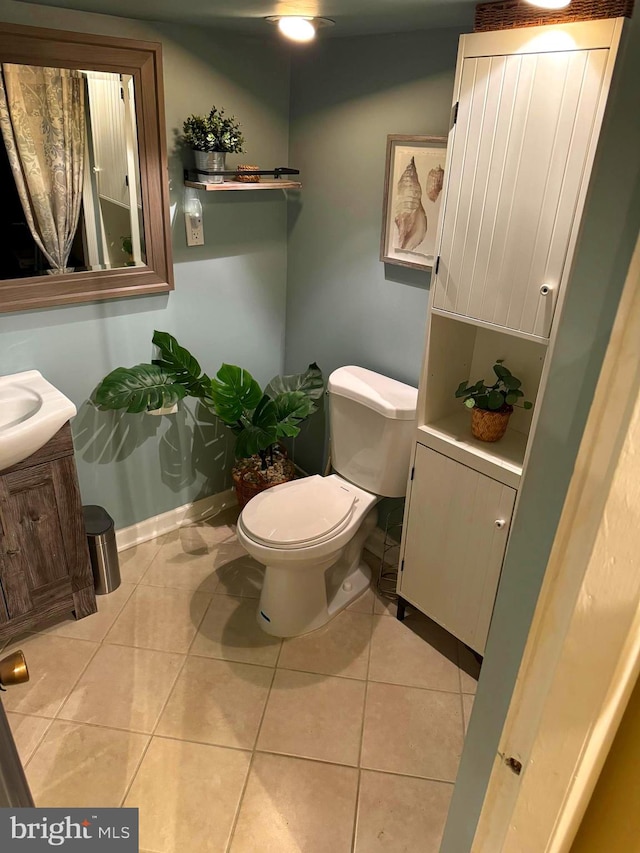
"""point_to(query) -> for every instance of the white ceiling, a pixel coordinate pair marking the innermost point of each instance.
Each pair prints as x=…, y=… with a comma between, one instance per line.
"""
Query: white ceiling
x=351, y=16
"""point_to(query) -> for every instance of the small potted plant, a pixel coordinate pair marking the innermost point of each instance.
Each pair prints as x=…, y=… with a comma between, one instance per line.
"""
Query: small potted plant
x=211, y=137
x=127, y=250
x=258, y=418
x=491, y=405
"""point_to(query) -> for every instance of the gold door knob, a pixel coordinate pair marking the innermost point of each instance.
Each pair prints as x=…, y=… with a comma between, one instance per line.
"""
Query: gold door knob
x=13, y=670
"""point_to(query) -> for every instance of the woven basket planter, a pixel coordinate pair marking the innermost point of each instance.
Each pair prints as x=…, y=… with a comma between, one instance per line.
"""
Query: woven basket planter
x=516, y=13
x=249, y=480
x=489, y=426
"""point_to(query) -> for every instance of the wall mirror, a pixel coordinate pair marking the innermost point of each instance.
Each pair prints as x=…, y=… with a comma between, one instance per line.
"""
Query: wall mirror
x=83, y=169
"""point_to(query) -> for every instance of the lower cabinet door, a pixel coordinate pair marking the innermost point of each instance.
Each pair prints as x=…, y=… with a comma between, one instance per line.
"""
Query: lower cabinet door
x=457, y=526
x=34, y=570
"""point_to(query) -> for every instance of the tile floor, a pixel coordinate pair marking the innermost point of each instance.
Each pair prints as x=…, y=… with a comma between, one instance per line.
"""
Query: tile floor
x=172, y=699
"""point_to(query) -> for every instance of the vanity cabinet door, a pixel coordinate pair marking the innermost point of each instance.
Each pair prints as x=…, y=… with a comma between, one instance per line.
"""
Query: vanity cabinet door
x=525, y=124
x=457, y=527
x=36, y=555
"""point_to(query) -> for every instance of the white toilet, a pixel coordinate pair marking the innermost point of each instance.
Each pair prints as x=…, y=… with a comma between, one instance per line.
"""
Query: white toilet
x=310, y=533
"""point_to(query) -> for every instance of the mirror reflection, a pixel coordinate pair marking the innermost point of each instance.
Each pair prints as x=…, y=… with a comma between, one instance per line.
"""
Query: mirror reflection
x=69, y=172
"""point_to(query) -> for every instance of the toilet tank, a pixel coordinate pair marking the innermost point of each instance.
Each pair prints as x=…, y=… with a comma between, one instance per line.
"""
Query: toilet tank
x=372, y=423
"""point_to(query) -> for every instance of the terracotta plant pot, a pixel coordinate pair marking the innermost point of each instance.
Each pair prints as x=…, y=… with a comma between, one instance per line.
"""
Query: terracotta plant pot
x=250, y=479
x=490, y=426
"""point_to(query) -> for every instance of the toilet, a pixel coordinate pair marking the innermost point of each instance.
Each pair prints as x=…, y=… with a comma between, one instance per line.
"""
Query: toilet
x=310, y=533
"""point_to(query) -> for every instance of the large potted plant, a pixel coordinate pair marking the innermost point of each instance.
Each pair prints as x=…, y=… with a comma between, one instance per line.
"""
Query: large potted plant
x=492, y=405
x=258, y=418
x=211, y=137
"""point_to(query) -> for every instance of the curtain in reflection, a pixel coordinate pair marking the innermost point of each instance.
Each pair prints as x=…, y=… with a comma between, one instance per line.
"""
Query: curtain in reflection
x=42, y=118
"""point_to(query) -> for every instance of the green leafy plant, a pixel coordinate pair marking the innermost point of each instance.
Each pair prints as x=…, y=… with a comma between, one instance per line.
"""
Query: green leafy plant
x=127, y=249
x=499, y=397
x=213, y=132
x=259, y=418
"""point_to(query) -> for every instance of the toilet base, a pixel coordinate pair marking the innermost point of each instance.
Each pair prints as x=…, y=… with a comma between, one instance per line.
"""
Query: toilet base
x=278, y=616
x=358, y=582
x=306, y=588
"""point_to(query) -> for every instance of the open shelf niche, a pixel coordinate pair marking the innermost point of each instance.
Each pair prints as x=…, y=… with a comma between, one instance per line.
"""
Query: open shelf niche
x=458, y=351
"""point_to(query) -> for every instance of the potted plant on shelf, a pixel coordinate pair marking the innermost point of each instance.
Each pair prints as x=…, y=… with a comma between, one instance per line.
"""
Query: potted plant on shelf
x=258, y=418
x=211, y=137
x=491, y=405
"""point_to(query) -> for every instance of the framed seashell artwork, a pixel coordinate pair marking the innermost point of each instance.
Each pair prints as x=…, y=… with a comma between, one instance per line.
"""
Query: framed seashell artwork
x=414, y=177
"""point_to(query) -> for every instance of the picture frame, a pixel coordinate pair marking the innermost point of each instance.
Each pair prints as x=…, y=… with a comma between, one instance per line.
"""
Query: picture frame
x=413, y=187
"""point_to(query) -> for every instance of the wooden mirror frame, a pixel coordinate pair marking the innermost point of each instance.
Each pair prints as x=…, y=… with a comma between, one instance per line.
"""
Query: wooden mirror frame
x=143, y=61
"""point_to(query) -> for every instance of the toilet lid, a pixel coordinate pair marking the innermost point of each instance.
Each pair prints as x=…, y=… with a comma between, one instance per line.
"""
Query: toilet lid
x=298, y=512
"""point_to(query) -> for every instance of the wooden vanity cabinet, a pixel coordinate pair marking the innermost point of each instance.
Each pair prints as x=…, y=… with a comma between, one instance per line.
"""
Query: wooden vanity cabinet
x=44, y=558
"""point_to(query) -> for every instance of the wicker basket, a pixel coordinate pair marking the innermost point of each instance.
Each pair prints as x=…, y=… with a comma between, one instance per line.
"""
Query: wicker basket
x=246, y=487
x=517, y=13
x=245, y=176
x=489, y=426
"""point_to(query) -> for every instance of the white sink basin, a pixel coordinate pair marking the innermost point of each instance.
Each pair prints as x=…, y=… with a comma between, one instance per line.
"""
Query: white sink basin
x=31, y=412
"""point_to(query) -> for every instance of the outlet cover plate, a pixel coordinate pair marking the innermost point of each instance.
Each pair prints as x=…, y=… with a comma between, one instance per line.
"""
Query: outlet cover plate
x=195, y=230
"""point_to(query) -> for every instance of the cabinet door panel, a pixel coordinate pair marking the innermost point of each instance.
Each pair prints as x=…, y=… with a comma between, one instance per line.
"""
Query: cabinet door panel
x=32, y=547
x=524, y=127
x=453, y=547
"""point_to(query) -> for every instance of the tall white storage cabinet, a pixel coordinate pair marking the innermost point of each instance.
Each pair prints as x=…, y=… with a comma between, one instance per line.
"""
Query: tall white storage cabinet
x=528, y=106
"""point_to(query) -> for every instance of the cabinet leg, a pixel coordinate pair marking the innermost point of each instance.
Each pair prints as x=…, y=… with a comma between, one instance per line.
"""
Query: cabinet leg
x=402, y=604
x=84, y=602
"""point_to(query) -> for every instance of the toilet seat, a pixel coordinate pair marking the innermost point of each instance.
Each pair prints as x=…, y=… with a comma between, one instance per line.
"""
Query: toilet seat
x=300, y=513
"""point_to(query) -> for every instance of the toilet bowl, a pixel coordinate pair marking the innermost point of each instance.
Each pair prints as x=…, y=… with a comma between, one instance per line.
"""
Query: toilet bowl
x=310, y=533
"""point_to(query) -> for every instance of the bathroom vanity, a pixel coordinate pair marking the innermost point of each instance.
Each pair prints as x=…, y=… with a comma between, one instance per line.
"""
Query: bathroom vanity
x=44, y=559
x=528, y=107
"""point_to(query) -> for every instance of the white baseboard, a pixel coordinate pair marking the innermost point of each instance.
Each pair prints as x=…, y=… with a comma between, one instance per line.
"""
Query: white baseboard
x=157, y=525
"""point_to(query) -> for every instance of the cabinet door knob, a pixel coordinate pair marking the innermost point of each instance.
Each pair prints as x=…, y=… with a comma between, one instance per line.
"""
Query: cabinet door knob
x=500, y=523
x=546, y=289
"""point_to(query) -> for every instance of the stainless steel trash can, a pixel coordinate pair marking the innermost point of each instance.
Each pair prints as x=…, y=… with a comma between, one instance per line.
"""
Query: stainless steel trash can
x=101, y=536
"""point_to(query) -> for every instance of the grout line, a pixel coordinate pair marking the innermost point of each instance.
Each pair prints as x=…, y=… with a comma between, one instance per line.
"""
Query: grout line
x=272, y=666
x=135, y=772
x=151, y=735
x=98, y=646
x=202, y=656
x=356, y=814
x=353, y=767
x=75, y=683
x=407, y=776
x=236, y=814
x=253, y=755
x=364, y=707
x=100, y=726
x=42, y=737
x=246, y=750
x=264, y=711
x=162, y=709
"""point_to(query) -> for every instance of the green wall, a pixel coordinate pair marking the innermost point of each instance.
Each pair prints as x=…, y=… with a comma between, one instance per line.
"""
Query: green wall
x=608, y=236
x=229, y=298
x=343, y=305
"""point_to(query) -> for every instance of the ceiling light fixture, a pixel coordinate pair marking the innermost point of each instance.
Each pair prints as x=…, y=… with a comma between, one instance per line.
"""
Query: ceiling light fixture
x=549, y=4
x=297, y=27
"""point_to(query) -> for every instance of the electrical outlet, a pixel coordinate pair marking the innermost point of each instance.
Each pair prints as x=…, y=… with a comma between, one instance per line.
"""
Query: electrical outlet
x=195, y=230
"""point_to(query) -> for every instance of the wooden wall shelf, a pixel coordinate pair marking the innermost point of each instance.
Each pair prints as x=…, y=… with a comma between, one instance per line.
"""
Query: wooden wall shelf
x=237, y=185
